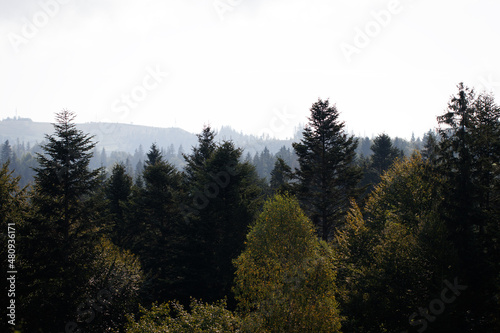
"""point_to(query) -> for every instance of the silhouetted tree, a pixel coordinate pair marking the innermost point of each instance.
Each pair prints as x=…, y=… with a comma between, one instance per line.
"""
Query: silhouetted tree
x=327, y=177
x=60, y=238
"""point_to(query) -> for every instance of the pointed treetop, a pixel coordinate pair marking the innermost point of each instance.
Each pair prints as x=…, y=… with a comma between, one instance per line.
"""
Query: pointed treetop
x=154, y=155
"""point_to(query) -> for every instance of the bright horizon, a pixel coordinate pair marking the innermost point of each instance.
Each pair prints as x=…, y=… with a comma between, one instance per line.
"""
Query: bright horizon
x=389, y=66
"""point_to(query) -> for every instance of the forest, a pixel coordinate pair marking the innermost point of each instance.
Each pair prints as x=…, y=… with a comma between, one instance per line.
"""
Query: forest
x=323, y=237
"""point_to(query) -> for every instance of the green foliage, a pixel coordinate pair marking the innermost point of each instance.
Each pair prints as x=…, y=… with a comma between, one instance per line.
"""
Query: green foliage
x=327, y=177
x=285, y=278
x=113, y=289
x=202, y=318
x=396, y=259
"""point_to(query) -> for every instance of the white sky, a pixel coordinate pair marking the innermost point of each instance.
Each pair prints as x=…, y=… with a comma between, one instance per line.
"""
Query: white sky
x=255, y=65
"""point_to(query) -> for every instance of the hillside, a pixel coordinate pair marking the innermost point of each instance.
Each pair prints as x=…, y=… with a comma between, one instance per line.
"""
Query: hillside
x=127, y=138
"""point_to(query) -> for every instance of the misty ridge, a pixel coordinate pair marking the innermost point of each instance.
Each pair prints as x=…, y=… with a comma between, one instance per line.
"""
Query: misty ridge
x=127, y=143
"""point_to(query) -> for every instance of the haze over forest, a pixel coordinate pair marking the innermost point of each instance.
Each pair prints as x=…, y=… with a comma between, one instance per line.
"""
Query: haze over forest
x=259, y=166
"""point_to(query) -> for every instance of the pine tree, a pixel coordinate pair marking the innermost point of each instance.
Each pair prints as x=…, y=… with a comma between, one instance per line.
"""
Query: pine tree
x=327, y=177
x=62, y=234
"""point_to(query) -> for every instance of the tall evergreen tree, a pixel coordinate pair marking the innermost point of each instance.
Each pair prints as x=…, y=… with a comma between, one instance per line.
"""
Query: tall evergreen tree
x=327, y=177
x=469, y=153
x=201, y=153
x=158, y=214
x=118, y=192
x=223, y=199
x=60, y=238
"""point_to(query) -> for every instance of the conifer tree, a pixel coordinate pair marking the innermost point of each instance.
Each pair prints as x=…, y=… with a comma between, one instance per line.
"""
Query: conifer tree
x=281, y=176
x=223, y=196
x=158, y=214
x=469, y=153
x=327, y=177
x=118, y=192
x=61, y=236
x=6, y=153
x=430, y=149
x=384, y=154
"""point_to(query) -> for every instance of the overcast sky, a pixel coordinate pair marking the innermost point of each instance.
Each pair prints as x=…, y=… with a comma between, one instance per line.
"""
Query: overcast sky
x=256, y=65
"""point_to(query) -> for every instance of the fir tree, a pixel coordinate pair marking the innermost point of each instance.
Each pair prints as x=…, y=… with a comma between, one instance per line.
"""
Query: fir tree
x=327, y=177
x=158, y=214
x=59, y=246
x=469, y=153
x=223, y=199
x=118, y=191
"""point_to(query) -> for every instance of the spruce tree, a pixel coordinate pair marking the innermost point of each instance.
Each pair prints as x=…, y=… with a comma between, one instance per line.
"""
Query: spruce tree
x=223, y=196
x=118, y=192
x=60, y=237
x=384, y=154
x=327, y=177
x=469, y=153
x=158, y=214
x=201, y=153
